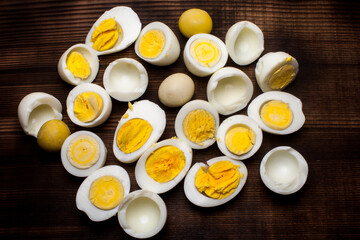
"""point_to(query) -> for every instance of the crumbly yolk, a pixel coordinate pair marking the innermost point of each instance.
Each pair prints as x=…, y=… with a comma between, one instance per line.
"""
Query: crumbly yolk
x=106, y=192
x=152, y=43
x=240, y=139
x=276, y=115
x=165, y=163
x=205, y=52
x=83, y=151
x=88, y=106
x=133, y=134
x=78, y=65
x=199, y=125
x=105, y=35
x=219, y=181
x=282, y=76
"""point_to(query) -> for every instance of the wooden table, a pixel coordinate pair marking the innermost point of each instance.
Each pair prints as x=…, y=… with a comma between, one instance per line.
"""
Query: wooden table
x=37, y=195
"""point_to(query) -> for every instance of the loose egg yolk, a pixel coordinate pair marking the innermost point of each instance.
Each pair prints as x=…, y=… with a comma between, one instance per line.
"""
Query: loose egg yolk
x=83, y=151
x=106, y=192
x=165, y=163
x=152, y=43
x=240, y=139
x=105, y=35
x=88, y=106
x=78, y=65
x=199, y=125
x=219, y=181
x=133, y=134
x=205, y=52
x=282, y=76
x=276, y=115
x=195, y=21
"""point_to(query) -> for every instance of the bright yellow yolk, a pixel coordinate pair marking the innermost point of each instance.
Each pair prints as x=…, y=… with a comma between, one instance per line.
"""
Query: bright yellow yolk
x=152, y=43
x=205, y=52
x=282, y=76
x=240, y=139
x=105, y=35
x=88, y=106
x=78, y=65
x=276, y=115
x=106, y=192
x=199, y=125
x=219, y=181
x=165, y=163
x=133, y=134
x=83, y=151
x=195, y=21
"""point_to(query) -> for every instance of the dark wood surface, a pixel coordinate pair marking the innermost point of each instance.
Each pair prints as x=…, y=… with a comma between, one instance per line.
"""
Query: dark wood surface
x=37, y=196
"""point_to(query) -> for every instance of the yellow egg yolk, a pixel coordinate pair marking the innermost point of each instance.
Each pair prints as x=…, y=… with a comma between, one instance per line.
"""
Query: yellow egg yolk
x=199, y=125
x=165, y=163
x=88, y=106
x=276, y=115
x=106, y=192
x=240, y=139
x=282, y=76
x=195, y=21
x=83, y=151
x=219, y=180
x=205, y=52
x=152, y=43
x=105, y=35
x=78, y=65
x=133, y=134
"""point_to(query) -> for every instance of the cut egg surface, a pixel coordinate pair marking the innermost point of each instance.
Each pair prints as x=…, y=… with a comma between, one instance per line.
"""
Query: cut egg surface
x=216, y=182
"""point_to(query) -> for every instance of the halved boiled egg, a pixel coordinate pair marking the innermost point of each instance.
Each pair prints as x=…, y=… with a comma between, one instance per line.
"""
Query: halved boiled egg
x=216, y=182
x=141, y=126
x=277, y=112
x=114, y=31
x=163, y=165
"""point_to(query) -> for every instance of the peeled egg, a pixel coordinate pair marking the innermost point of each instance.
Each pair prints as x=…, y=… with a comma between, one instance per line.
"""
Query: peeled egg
x=196, y=123
x=114, y=31
x=245, y=42
x=239, y=137
x=141, y=126
x=229, y=90
x=277, y=112
x=88, y=105
x=157, y=44
x=102, y=192
x=216, y=182
x=275, y=71
x=284, y=170
x=79, y=64
x=163, y=165
x=37, y=108
x=125, y=79
x=204, y=54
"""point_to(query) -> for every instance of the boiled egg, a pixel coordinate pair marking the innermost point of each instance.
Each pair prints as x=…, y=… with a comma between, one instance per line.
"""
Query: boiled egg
x=204, y=54
x=114, y=31
x=163, y=165
x=277, y=112
x=79, y=64
x=101, y=193
x=239, y=137
x=275, y=71
x=157, y=44
x=141, y=126
x=229, y=90
x=88, y=105
x=125, y=79
x=196, y=123
x=216, y=182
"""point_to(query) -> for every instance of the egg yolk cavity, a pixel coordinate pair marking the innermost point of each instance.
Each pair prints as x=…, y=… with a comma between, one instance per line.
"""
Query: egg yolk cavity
x=195, y=21
x=276, y=115
x=133, y=134
x=205, y=52
x=199, y=125
x=78, y=65
x=152, y=43
x=106, y=192
x=165, y=163
x=219, y=180
x=240, y=139
x=282, y=76
x=88, y=106
x=83, y=151
x=106, y=35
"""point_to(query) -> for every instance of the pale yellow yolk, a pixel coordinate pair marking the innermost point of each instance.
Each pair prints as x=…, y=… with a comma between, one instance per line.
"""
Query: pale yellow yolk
x=78, y=65
x=106, y=192
x=240, y=139
x=165, y=163
x=152, y=43
x=83, y=151
x=105, y=35
x=219, y=181
x=199, y=125
x=276, y=115
x=88, y=106
x=282, y=76
x=133, y=134
x=205, y=52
